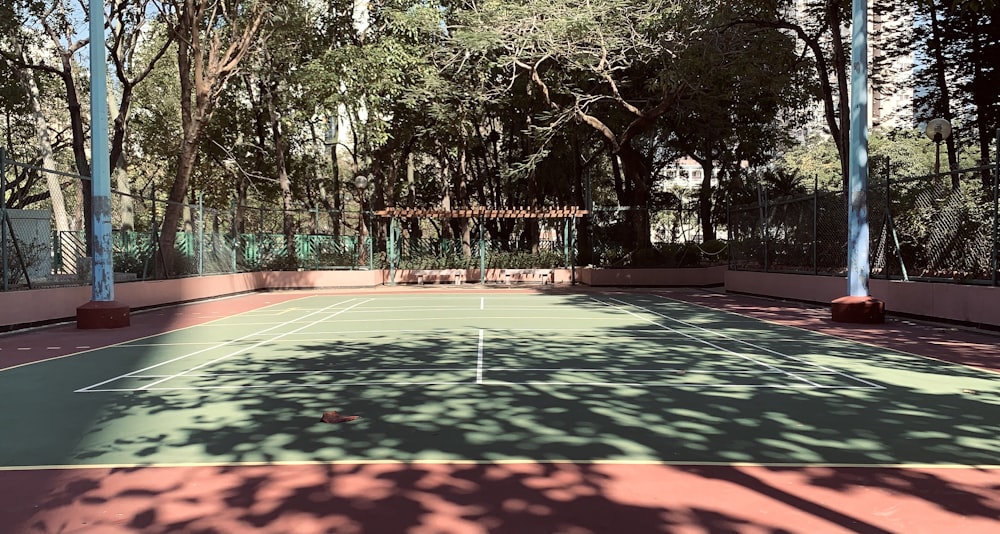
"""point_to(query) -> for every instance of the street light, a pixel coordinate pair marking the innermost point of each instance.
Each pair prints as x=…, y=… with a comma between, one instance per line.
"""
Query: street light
x=361, y=182
x=330, y=140
x=938, y=130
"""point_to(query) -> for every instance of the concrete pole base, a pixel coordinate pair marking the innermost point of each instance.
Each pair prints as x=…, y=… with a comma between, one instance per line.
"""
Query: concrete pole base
x=865, y=310
x=102, y=314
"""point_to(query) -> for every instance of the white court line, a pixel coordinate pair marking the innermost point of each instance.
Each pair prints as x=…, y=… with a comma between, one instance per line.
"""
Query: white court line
x=250, y=347
x=482, y=303
x=709, y=343
x=479, y=363
x=672, y=384
x=665, y=370
x=470, y=382
x=819, y=366
x=754, y=345
x=223, y=344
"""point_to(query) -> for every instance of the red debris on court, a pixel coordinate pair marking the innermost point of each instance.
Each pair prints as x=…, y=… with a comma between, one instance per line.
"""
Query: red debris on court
x=335, y=417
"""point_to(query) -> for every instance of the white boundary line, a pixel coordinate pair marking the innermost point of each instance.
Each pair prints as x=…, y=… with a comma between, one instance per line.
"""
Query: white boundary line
x=223, y=344
x=665, y=370
x=765, y=349
x=259, y=343
x=709, y=343
x=479, y=359
x=668, y=380
x=498, y=383
x=504, y=461
x=121, y=344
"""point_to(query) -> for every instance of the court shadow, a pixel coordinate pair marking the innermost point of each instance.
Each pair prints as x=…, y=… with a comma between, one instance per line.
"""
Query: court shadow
x=377, y=498
x=544, y=426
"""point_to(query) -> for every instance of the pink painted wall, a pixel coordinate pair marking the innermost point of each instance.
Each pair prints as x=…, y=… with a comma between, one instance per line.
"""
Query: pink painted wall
x=446, y=276
x=317, y=279
x=691, y=277
x=972, y=304
x=954, y=302
x=23, y=307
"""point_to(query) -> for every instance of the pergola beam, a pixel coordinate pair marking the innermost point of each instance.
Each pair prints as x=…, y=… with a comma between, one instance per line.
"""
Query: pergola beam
x=485, y=213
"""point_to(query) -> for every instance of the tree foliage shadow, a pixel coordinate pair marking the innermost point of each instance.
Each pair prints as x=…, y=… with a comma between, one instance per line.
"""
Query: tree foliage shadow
x=910, y=421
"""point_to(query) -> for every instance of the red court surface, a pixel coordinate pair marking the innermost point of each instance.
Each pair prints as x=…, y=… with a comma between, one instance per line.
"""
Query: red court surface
x=532, y=497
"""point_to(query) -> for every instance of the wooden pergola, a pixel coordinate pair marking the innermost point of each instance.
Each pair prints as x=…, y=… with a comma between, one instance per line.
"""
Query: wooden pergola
x=482, y=214
x=485, y=213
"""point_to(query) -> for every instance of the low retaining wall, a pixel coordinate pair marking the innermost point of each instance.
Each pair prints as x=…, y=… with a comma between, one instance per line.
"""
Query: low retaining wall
x=976, y=305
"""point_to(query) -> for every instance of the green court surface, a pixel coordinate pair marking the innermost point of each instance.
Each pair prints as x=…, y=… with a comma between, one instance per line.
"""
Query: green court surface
x=465, y=376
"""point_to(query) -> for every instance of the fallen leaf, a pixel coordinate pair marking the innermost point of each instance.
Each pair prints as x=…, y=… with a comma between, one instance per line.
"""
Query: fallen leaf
x=335, y=417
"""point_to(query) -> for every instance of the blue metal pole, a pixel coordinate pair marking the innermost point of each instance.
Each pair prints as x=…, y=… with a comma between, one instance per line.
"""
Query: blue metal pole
x=100, y=174
x=857, y=216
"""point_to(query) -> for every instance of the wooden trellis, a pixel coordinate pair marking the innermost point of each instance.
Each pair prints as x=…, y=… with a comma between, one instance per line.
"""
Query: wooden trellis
x=485, y=213
x=481, y=213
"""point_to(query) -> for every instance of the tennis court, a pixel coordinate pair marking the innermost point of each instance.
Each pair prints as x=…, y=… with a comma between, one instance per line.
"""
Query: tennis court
x=478, y=378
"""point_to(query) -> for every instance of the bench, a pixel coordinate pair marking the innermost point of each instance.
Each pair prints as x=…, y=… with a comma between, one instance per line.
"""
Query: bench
x=526, y=275
x=440, y=275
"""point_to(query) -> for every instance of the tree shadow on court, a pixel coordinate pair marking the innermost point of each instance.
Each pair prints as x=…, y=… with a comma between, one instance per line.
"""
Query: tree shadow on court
x=698, y=408
x=526, y=498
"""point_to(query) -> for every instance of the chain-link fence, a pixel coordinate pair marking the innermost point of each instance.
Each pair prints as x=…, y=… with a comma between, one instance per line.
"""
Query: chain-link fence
x=940, y=227
x=36, y=252
x=210, y=239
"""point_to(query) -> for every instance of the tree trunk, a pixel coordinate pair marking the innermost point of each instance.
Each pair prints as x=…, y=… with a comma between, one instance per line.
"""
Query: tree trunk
x=637, y=172
x=204, y=64
x=288, y=216
x=119, y=170
x=27, y=79
x=705, y=200
x=178, y=192
x=840, y=63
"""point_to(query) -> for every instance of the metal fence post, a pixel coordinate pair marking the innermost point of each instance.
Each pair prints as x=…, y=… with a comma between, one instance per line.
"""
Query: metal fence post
x=763, y=229
x=154, y=243
x=996, y=207
x=482, y=252
x=729, y=231
x=815, y=228
x=566, y=241
x=887, y=228
x=3, y=215
x=201, y=233
x=236, y=237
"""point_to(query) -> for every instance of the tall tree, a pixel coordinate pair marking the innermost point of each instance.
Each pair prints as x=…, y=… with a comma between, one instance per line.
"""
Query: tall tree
x=749, y=87
x=604, y=64
x=213, y=37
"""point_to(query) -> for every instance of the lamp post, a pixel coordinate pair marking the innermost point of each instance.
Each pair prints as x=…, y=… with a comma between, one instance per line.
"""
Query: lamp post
x=937, y=130
x=102, y=311
x=858, y=306
x=330, y=140
x=361, y=182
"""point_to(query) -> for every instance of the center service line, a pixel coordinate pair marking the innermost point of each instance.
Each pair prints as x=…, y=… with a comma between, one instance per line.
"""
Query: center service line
x=479, y=364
